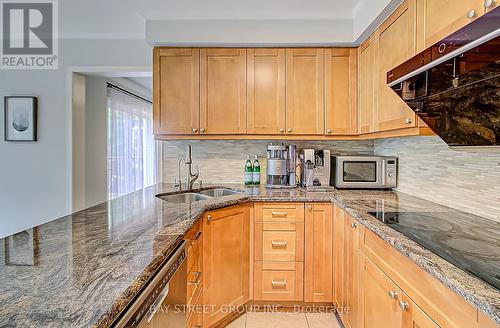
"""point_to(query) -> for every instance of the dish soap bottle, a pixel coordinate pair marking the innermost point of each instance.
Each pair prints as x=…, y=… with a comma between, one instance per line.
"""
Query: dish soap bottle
x=256, y=171
x=248, y=171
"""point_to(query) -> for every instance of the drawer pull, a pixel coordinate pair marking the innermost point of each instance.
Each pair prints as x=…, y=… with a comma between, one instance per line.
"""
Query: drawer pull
x=278, y=283
x=393, y=295
x=197, y=279
x=404, y=306
x=197, y=235
x=279, y=243
x=279, y=213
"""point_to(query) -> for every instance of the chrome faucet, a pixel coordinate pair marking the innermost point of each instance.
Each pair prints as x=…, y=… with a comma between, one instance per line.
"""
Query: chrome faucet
x=178, y=181
x=191, y=177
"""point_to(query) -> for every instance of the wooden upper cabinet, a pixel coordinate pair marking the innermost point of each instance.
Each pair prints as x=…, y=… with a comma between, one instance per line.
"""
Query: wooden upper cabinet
x=366, y=81
x=223, y=91
x=377, y=308
x=176, y=90
x=266, y=74
x=340, y=91
x=438, y=19
x=396, y=44
x=304, y=91
x=318, y=277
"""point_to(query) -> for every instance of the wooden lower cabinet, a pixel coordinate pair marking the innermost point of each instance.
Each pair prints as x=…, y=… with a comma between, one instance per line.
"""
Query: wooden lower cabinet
x=338, y=257
x=318, y=278
x=413, y=316
x=378, y=297
x=345, y=267
x=226, y=261
x=278, y=252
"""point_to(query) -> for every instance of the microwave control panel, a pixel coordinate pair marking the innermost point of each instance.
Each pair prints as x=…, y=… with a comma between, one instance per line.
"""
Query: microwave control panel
x=390, y=172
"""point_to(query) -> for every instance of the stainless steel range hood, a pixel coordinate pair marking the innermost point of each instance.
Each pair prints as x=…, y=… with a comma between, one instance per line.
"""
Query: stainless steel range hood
x=454, y=86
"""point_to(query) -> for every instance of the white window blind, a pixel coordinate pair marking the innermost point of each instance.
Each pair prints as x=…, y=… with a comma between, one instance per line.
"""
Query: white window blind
x=131, y=145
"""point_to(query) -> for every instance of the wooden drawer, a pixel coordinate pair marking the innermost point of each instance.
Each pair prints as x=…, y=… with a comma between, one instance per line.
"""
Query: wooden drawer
x=194, y=262
x=279, y=242
x=278, y=281
x=195, y=312
x=444, y=306
x=279, y=212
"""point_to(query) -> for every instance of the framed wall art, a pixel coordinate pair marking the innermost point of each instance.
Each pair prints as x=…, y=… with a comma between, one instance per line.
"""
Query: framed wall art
x=20, y=113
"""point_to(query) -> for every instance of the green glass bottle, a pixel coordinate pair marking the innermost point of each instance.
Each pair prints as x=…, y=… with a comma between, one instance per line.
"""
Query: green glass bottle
x=248, y=171
x=256, y=171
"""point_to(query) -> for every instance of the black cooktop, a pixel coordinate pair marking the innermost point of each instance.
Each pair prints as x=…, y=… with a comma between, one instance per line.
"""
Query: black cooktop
x=470, y=242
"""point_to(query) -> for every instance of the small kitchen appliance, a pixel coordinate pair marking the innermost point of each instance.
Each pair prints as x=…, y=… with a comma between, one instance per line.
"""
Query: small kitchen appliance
x=364, y=172
x=281, y=163
x=315, y=167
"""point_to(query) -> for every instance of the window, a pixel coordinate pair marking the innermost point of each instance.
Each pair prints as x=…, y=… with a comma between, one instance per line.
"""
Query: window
x=131, y=145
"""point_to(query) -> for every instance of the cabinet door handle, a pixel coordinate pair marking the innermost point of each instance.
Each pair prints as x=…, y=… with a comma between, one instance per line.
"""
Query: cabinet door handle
x=489, y=3
x=195, y=130
x=279, y=213
x=289, y=129
x=197, y=235
x=404, y=305
x=278, y=283
x=202, y=130
x=282, y=130
x=408, y=121
x=279, y=243
x=329, y=131
x=353, y=225
x=309, y=207
x=393, y=295
x=471, y=14
x=209, y=218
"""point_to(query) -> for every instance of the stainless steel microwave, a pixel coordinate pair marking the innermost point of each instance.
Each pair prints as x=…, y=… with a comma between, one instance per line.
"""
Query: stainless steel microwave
x=364, y=172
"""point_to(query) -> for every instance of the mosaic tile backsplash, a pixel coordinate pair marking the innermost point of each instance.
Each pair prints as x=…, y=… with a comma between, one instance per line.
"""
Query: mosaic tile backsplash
x=429, y=169
x=222, y=161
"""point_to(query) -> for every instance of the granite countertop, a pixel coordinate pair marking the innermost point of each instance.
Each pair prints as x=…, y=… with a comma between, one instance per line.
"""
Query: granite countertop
x=82, y=270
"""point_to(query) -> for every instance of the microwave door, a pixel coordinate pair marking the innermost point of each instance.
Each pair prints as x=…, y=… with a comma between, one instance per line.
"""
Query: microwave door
x=360, y=173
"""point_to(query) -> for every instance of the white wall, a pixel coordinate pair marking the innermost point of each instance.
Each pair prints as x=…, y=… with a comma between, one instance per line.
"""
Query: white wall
x=78, y=149
x=34, y=176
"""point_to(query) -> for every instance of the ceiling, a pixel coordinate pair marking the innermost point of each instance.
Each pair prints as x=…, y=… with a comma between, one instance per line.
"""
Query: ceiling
x=128, y=19
x=255, y=9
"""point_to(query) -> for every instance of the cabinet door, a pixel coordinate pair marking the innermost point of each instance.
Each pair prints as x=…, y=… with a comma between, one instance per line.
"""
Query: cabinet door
x=226, y=256
x=367, y=83
x=340, y=91
x=304, y=91
x=438, y=19
x=379, y=308
x=223, y=91
x=351, y=238
x=338, y=258
x=396, y=45
x=266, y=91
x=319, y=253
x=176, y=90
x=413, y=316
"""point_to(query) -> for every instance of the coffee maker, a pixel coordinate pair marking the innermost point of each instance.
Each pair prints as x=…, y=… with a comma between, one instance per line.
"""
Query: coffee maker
x=315, y=168
x=281, y=163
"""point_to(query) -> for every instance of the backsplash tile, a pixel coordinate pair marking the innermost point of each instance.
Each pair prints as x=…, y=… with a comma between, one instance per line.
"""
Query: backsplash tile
x=429, y=169
x=222, y=161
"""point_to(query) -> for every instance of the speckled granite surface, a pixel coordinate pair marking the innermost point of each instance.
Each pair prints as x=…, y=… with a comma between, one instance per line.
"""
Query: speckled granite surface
x=85, y=268
x=358, y=203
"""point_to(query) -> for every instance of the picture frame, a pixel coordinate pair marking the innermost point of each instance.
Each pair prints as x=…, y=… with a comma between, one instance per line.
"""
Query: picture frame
x=22, y=249
x=20, y=118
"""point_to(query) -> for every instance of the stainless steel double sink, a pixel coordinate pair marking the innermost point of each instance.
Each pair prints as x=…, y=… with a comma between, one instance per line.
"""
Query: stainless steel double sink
x=189, y=197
